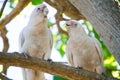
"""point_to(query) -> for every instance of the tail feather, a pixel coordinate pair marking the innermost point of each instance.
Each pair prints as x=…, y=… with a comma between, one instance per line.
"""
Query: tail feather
x=29, y=74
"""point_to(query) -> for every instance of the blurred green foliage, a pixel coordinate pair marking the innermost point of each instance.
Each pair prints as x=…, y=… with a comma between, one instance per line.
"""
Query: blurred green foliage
x=118, y=0
x=60, y=43
x=36, y=2
x=59, y=78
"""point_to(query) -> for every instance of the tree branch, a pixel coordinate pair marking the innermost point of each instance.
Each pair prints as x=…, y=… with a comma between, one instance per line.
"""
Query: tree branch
x=5, y=39
x=20, y=6
x=16, y=59
x=6, y=46
x=68, y=8
x=58, y=19
x=104, y=15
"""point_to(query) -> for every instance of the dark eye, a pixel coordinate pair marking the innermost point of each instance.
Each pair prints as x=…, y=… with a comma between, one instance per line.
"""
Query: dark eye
x=38, y=10
x=75, y=25
x=67, y=25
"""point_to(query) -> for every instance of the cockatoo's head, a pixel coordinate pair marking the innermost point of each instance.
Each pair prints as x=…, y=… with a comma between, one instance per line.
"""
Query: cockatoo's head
x=39, y=14
x=73, y=28
x=72, y=25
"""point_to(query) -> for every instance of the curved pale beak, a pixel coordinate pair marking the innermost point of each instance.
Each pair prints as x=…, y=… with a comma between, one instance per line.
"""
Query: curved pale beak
x=45, y=11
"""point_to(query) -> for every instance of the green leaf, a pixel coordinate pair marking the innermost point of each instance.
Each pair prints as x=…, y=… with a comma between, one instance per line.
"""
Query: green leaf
x=59, y=78
x=36, y=2
x=62, y=51
x=12, y=3
x=60, y=43
x=49, y=23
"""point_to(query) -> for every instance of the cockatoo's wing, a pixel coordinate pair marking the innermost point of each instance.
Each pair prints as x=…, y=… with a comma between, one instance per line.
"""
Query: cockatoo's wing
x=21, y=41
x=99, y=69
x=69, y=55
x=51, y=39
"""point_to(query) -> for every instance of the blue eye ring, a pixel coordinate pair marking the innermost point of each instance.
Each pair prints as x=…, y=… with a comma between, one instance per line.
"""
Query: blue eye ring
x=75, y=25
x=38, y=10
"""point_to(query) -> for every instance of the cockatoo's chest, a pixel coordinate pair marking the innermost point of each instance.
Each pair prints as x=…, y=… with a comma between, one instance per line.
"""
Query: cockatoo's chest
x=80, y=45
x=75, y=43
x=36, y=40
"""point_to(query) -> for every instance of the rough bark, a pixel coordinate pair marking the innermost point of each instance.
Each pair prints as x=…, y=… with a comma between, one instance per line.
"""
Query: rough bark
x=104, y=16
x=15, y=59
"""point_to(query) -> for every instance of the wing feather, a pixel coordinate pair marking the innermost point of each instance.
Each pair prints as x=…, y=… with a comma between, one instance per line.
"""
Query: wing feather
x=21, y=41
x=70, y=56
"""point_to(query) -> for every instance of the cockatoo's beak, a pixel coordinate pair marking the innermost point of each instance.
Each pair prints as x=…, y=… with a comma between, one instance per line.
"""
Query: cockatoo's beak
x=44, y=10
x=67, y=26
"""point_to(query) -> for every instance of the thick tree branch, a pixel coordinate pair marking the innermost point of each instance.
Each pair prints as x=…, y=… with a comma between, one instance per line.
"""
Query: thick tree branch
x=20, y=6
x=15, y=59
x=68, y=8
x=105, y=18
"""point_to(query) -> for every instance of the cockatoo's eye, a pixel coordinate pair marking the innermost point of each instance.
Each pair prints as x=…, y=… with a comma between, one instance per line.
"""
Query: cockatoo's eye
x=75, y=25
x=38, y=10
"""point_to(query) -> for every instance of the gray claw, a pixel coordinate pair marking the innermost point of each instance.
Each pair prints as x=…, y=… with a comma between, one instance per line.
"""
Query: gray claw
x=104, y=74
x=50, y=61
x=78, y=67
x=25, y=55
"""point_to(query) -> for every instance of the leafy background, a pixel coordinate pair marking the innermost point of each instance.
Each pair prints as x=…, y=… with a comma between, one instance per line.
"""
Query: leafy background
x=111, y=66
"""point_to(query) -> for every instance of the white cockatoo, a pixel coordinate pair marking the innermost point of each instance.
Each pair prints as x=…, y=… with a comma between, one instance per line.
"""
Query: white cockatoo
x=36, y=40
x=82, y=50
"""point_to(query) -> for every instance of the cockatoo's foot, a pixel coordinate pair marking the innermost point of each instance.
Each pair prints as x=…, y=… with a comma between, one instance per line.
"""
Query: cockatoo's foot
x=25, y=55
x=104, y=74
x=50, y=61
x=78, y=67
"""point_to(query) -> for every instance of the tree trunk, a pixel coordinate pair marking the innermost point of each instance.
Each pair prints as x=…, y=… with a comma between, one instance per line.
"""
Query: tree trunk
x=104, y=16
